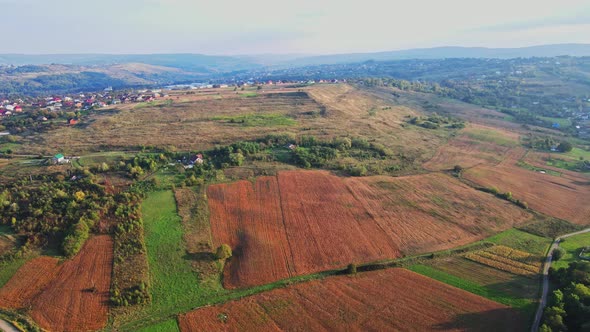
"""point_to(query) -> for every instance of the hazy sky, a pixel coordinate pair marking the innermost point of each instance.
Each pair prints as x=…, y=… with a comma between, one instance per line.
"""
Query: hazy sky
x=284, y=26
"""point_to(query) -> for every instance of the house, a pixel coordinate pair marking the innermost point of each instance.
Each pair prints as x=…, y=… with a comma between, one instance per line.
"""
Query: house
x=72, y=122
x=291, y=146
x=196, y=159
x=18, y=109
x=58, y=159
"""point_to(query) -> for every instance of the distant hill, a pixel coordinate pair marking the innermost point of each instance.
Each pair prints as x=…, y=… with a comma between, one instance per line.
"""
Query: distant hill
x=188, y=62
x=41, y=79
x=448, y=52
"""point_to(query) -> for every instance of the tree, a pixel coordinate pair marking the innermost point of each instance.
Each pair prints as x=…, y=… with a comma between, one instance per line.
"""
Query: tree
x=565, y=147
x=223, y=252
x=457, y=169
x=351, y=268
x=558, y=253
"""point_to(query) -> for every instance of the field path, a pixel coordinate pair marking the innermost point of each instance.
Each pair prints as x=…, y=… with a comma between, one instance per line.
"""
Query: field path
x=543, y=302
x=7, y=327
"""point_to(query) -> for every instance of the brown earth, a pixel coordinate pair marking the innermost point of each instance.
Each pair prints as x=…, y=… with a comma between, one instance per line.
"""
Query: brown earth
x=393, y=299
x=301, y=222
x=28, y=282
x=562, y=196
x=77, y=298
x=469, y=149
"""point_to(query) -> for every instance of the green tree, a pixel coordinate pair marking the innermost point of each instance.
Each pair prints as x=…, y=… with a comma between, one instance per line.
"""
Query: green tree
x=223, y=252
x=565, y=147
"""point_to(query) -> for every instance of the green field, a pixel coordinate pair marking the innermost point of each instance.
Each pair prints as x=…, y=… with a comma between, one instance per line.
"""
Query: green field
x=257, y=120
x=530, y=167
x=166, y=326
x=8, y=269
x=527, y=306
x=572, y=246
x=517, y=239
x=175, y=287
x=563, y=122
x=491, y=136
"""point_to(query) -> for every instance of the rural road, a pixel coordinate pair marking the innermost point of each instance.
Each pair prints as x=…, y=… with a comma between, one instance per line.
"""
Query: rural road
x=7, y=327
x=546, y=267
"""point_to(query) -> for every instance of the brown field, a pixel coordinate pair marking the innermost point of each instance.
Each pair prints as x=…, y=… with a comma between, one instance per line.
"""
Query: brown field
x=193, y=123
x=562, y=196
x=29, y=281
x=372, y=301
x=301, y=222
x=475, y=145
x=77, y=298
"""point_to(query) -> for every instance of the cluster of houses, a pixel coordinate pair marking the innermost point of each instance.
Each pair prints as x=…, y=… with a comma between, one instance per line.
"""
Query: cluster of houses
x=77, y=102
x=8, y=107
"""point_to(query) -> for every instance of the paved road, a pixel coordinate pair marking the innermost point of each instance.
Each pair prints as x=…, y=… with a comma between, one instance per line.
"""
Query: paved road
x=546, y=267
x=7, y=327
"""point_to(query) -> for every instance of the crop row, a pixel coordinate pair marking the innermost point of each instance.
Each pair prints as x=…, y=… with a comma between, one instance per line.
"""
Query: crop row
x=502, y=263
x=518, y=255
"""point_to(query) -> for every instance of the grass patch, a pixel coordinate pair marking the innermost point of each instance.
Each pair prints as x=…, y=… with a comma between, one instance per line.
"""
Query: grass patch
x=257, y=120
x=249, y=94
x=549, y=227
x=491, y=136
x=563, y=122
x=9, y=268
x=577, y=153
x=517, y=239
x=524, y=305
x=572, y=245
x=530, y=167
x=166, y=326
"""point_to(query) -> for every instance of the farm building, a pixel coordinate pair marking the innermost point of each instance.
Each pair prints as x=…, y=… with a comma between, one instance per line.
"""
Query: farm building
x=58, y=159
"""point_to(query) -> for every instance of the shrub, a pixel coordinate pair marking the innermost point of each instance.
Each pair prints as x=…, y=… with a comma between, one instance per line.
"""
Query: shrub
x=351, y=269
x=558, y=253
x=223, y=252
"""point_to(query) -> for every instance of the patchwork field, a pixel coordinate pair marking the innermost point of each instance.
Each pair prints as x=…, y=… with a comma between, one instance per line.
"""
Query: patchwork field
x=507, y=259
x=301, y=222
x=29, y=281
x=563, y=196
x=76, y=299
x=370, y=301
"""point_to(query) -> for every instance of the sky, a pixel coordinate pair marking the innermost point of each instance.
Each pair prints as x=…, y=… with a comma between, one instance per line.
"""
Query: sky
x=223, y=27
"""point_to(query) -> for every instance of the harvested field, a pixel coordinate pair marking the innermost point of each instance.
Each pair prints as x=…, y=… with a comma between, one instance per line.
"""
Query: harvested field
x=301, y=222
x=77, y=298
x=475, y=145
x=562, y=196
x=432, y=212
x=369, y=301
x=29, y=281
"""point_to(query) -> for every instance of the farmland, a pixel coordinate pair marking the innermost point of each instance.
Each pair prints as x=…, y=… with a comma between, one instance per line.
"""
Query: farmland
x=561, y=197
x=76, y=298
x=507, y=259
x=283, y=225
x=371, y=301
x=475, y=145
x=30, y=280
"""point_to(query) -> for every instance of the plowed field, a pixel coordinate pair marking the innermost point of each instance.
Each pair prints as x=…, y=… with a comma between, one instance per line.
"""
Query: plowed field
x=393, y=299
x=77, y=298
x=28, y=281
x=562, y=196
x=301, y=222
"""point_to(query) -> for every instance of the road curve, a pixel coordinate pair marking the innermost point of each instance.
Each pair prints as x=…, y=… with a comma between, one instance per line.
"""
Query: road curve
x=543, y=302
x=7, y=327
